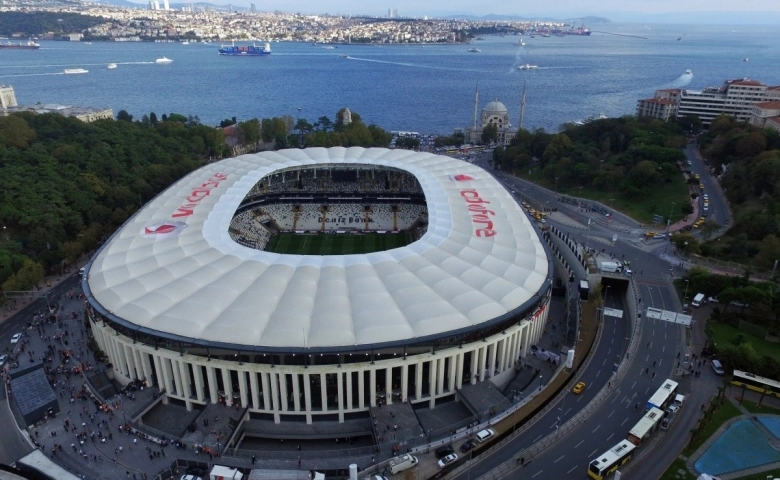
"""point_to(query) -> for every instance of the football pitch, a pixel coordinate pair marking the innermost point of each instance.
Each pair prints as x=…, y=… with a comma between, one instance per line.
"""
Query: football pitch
x=336, y=244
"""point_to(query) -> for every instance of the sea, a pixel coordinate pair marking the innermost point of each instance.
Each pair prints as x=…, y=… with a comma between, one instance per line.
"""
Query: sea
x=423, y=88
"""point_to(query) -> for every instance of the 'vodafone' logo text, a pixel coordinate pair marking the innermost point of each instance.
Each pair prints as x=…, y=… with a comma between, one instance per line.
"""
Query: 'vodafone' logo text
x=479, y=213
x=198, y=194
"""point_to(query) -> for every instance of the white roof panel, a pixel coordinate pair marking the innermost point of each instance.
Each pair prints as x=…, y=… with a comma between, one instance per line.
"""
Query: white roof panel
x=174, y=269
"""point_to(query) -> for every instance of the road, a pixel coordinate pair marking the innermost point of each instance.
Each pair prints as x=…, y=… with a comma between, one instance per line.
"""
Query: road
x=654, y=361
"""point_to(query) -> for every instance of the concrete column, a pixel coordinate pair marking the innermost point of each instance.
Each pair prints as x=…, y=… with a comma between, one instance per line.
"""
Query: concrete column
x=186, y=380
x=350, y=394
x=452, y=364
x=211, y=374
x=265, y=378
x=176, y=375
x=481, y=361
x=361, y=388
x=418, y=371
x=275, y=396
x=389, y=385
x=167, y=376
x=296, y=392
x=160, y=375
x=501, y=357
x=120, y=355
x=474, y=365
x=440, y=376
x=432, y=374
x=197, y=371
x=340, y=386
x=404, y=382
x=242, y=389
x=307, y=396
x=372, y=387
x=324, y=391
x=147, y=367
x=459, y=370
x=135, y=368
x=254, y=388
x=283, y=396
x=228, y=384
x=492, y=363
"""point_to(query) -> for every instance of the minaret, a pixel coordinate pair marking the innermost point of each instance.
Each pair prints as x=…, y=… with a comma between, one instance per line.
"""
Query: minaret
x=522, y=108
x=476, y=103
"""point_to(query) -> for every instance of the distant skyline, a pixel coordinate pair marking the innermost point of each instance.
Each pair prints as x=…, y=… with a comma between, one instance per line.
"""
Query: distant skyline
x=642, y=11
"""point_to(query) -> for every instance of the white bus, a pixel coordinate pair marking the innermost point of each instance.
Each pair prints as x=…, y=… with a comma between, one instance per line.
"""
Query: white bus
x=606, y=463
x=645, y=426
x=664, y=396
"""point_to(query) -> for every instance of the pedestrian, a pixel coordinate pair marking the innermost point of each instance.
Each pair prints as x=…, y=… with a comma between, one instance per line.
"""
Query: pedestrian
x=636, y=406
x=653, y=363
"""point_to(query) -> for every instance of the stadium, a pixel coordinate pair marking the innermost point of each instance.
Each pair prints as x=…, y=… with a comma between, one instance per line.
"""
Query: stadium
x=313, y=284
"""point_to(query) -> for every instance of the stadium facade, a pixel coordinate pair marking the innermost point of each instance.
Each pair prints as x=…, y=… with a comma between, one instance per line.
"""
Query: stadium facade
x=184, y=297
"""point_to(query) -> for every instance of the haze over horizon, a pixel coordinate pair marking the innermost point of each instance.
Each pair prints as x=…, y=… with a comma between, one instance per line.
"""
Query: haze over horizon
x=673, y=11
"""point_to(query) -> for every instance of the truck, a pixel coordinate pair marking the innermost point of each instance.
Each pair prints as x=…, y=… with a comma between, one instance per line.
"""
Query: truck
x=698, y=300
x=219, y=472
x=610, y=267
x=267, y=474
x=405, y=461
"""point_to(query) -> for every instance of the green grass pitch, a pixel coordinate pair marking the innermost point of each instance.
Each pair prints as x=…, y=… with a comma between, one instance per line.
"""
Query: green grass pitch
x=336, y=244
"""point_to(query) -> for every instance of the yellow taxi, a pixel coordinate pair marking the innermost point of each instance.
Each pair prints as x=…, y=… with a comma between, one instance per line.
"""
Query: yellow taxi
x=701, y=186
x=578, y=388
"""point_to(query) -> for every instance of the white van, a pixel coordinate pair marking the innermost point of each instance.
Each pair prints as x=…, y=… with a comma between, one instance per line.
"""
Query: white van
x=399, y=464
x=717, y=367
x=698, y=300
x=679, y=400
x=483, y=435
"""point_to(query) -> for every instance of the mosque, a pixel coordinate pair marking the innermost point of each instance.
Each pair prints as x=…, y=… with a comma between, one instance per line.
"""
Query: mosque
x=497, y=114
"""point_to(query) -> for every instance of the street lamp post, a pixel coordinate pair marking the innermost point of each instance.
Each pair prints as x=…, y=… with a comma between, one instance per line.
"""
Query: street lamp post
x=556, y=185
x=669, y=220
x=685, y=295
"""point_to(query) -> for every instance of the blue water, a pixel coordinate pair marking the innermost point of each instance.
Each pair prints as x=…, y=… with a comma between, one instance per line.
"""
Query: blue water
x=426, y=88
x=742, y=446
x=772, y=424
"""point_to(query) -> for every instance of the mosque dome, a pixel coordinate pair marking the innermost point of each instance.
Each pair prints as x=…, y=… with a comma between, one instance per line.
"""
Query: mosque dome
x=495, y=108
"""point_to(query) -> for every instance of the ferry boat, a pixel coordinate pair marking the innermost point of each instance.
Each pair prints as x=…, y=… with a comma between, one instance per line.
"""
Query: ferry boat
x=528, y=66
x=29, y=45
x=245, y=50
x=163, y=60
x=111, y=66
x=688, y=72
x=74, y=71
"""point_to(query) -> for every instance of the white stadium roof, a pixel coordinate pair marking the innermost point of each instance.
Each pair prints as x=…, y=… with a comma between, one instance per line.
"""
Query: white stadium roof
x=173, y=270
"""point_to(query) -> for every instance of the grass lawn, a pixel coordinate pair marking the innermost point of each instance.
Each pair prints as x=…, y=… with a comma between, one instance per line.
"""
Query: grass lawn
x=640, y=208
x=725, y=412
x=753, y=407
x=336, y=244
x=723, y=334
x=677, y=471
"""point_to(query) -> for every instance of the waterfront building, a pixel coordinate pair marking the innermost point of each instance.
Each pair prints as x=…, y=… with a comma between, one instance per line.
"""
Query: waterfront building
x=8, y=105
x=766, y=115
x=186, y=296
x=735, y=98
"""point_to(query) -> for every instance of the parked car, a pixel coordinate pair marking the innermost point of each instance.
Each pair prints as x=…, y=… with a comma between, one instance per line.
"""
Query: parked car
x=444, y=450
x=467, y=445
x=672, y=409
x=3, y=358
x=447, y=460
x=485, y=434
x=665, y=423
x=16, y=338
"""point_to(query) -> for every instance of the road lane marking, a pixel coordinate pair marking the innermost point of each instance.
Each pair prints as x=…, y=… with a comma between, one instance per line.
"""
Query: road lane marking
x=572, y=469
x=610, y=435
x=537, y=473
x=559, y=459
x=579, y=444
x=610, y=413
x=597, y=427
x=624, y=421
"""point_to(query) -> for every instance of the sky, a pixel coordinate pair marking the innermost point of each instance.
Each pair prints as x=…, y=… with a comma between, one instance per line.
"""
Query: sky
x=532, y=8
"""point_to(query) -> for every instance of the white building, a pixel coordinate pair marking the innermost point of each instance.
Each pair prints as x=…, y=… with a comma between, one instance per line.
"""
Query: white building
x=494, y=113
x=766, y=115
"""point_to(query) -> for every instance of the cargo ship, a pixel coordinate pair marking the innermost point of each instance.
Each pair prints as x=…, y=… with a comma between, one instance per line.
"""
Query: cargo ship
x=577, y=31
x=245, y=50
x=30, y=45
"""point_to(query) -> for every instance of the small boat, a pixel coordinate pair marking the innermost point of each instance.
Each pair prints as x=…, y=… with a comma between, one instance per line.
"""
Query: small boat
x=185, y=42
x=745, y=59
x=688, y=72
x=163, y=60
x=528, y=66
x=343, y=56
x=328, y=47
x=474, y=50
x=87, y=43
x=679, y=38
x=111, y=66
x=74, y=71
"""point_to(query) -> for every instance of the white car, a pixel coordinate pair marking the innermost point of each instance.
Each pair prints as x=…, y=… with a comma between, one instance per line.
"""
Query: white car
x=673, y=409
x=3, y=358
x=447, y=460
x=16, y=338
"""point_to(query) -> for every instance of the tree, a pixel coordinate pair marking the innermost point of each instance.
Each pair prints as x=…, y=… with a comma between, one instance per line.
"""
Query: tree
x=123, y=116
x=14, y=132
x=408, y=143
x=686, y=209
x=324, y=124
x=489, y=133
x=153, y=119
x=302, y=126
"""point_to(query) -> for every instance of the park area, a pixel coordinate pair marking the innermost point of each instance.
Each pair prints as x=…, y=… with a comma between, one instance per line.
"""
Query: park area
x=336, y=243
